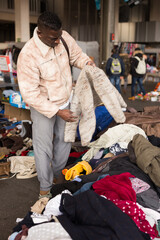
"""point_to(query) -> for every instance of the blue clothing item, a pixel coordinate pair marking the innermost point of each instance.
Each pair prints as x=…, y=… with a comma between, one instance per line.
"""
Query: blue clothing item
x=115, y=80
x=95, y=162
x=88, y=185
x=13, y=125
x=103, y=119
x=108, y=66
x=139, y=80
x=13, y=235
x=30, y=153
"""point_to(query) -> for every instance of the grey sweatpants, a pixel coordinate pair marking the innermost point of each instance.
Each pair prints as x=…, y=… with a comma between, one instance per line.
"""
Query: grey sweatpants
x=50, y=151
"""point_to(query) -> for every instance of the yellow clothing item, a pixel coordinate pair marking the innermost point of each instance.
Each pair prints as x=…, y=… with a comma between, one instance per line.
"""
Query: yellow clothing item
x=77, y=170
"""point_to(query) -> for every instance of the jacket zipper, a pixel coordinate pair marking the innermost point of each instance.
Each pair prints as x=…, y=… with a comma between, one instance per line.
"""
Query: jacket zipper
x=62, y=74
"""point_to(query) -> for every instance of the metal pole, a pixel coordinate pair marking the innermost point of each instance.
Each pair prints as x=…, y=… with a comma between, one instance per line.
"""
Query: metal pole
x=101, y=30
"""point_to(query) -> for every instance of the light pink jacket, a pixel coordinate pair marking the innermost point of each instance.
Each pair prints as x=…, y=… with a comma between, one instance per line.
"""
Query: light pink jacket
x=44, y=74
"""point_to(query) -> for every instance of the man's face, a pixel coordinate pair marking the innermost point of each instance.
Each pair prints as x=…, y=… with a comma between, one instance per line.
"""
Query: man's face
x=50, y=37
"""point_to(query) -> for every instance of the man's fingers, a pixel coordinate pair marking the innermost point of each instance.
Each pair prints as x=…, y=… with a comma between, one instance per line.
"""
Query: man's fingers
x=72, y=119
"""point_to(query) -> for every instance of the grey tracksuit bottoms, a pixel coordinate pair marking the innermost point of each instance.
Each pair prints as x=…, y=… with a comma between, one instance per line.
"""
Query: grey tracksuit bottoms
x=50, y=151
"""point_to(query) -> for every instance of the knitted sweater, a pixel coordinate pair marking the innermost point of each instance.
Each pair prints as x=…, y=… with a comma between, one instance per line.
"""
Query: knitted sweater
x=92, y=88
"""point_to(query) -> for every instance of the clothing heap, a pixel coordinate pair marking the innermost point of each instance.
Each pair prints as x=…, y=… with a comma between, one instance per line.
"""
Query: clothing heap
x=16, y=148
x=112, y=193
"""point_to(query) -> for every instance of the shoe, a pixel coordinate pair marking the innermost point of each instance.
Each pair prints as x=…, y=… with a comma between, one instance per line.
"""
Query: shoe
x=146, y=97
x=46, y=194
x=132, y=98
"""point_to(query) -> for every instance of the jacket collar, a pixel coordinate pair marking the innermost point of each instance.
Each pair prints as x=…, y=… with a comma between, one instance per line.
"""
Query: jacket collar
x=41, y=46
x=115, y=55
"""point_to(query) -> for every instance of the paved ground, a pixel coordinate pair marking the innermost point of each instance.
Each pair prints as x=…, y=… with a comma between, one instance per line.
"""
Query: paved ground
x=17, y=196
x=139, y=104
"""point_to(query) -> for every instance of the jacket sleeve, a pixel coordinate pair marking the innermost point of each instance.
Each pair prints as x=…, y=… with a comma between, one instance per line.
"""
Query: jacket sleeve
x=122, y=66
x=77, y=57
x=108, y=66
x=134, y=64
x=29, y=81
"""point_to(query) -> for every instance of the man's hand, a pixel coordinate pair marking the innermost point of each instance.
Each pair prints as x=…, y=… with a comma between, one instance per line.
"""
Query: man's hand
x=67, y=115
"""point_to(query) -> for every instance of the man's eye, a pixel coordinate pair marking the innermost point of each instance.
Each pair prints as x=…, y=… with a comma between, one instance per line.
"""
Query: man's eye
x=53, y=39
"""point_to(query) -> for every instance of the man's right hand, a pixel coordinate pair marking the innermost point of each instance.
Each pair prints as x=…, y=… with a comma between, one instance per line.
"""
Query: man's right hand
x=67, y=115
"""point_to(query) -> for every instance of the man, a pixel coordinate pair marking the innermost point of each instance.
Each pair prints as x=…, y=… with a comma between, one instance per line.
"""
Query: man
x=115, y=69
x=127, y=63
x=138, y=71
x=45, y=82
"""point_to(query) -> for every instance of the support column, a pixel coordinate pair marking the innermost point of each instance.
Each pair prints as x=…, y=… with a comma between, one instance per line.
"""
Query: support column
x=116, y=21
x=109, y=25
x=58, y=8
x=22, y=26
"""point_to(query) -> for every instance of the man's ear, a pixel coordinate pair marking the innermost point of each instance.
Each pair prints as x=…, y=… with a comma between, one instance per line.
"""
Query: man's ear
x=39, y=32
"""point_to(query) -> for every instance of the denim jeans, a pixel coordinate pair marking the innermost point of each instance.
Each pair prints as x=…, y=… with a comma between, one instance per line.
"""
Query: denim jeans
x=115, y=80
x=140, y=84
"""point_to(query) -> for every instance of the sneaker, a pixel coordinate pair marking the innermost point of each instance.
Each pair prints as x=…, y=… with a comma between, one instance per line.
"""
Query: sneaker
x=132, y=98
x=46, y=194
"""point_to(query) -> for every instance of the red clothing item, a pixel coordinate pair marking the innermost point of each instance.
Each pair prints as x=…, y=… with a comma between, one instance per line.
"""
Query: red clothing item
x=116, y=187
x=24, y=153
x=76, y=154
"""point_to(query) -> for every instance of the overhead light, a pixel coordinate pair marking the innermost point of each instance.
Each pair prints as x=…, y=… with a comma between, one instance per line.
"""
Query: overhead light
x=136, y=2
x=133, y=3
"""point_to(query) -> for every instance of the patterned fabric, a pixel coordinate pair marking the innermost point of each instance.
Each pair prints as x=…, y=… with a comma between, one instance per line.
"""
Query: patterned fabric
x=44, y=74
x=137, y=215
x=48, y=231
x=92, y=88
x=138, y=185
x=118, y=148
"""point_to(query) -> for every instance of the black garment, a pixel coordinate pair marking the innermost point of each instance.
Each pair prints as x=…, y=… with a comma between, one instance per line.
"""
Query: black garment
x=90, y=177
x=102, y=220
x=154, y=140
x=127, y=64
x=15, y=53
x=134, y=64
x=149, y=199
x=26, y=221
x=71, y=186
x=13, y=142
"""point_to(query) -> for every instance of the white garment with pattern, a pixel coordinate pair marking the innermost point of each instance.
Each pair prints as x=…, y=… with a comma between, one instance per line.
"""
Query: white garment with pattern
x=48, y=231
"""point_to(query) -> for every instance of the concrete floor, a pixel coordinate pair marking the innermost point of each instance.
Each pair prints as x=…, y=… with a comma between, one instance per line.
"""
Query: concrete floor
x=139, y=104
x=17, y=196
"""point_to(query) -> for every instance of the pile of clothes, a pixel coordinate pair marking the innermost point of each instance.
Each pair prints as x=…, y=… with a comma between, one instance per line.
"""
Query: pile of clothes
x=16, y=148
x=109, y=191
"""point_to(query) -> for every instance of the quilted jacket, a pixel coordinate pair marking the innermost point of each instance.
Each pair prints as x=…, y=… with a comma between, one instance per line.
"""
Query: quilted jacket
x=92, y=88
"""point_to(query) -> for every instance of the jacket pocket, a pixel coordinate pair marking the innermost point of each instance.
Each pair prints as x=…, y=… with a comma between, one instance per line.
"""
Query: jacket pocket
x=48, y=70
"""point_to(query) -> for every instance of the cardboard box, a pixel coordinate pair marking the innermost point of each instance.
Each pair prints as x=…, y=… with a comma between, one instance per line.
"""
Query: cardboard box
x=18, y=113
